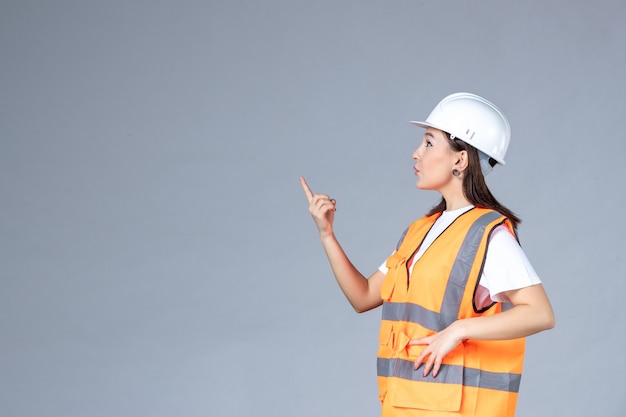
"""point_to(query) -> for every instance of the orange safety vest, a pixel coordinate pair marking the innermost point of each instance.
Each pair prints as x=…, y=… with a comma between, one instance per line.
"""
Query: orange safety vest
x=479, y=377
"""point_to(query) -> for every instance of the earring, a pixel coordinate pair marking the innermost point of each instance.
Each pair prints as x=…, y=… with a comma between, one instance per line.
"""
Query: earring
x=456, y=172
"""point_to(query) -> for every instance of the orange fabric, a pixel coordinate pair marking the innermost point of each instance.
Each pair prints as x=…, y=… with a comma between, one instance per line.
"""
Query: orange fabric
x=473, y=362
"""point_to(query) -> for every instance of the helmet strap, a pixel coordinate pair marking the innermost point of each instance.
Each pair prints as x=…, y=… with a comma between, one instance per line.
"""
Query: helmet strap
x=485, y=166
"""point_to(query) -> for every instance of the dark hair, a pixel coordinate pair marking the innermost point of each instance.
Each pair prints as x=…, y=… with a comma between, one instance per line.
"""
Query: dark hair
x=474, y=186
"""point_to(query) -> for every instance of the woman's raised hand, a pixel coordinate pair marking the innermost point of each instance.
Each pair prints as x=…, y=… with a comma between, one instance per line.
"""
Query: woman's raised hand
x=322, y=209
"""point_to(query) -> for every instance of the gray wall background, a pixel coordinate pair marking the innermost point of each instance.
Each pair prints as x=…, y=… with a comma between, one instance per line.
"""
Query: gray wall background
x=156, y=254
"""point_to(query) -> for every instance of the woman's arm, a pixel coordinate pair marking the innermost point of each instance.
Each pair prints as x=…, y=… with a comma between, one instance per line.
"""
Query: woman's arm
x=362, y=293
x=532, y=313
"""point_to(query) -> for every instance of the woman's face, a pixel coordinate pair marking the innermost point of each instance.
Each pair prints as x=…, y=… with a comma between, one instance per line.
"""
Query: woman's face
x=434, y=160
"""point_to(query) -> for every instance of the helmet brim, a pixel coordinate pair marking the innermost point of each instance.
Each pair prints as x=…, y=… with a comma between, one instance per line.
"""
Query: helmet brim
x=427, y=125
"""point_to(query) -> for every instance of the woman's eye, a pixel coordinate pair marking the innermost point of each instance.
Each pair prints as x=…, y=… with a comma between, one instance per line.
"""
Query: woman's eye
x=428, y=144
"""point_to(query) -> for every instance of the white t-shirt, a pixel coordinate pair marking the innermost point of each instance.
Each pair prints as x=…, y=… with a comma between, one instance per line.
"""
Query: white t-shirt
x=506, y=266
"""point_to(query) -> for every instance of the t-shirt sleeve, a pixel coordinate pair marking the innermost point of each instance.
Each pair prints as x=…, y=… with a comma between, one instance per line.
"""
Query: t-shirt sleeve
x=506, y=266
x=383, y=267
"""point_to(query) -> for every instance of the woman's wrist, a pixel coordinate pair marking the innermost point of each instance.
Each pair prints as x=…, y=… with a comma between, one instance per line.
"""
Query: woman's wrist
x=327, y=237
x=459, y=329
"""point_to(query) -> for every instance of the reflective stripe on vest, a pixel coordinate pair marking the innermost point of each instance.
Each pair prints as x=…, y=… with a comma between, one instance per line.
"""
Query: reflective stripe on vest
x=449, y=374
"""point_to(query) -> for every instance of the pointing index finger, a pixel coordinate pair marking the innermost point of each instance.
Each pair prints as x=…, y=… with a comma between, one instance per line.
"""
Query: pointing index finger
x=307, y=190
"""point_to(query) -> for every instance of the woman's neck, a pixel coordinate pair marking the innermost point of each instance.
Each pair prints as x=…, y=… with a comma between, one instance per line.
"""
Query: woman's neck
x=456, y=200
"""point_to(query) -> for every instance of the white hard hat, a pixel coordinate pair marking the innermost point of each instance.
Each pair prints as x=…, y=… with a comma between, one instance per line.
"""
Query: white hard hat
x=475, y=121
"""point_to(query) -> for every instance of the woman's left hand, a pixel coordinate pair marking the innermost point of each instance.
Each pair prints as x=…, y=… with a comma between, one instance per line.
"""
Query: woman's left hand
x=438, y=346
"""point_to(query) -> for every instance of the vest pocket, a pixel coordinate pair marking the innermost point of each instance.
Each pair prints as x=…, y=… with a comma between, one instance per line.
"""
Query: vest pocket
x=410, y=389
x=387, y=288
x=394, y=262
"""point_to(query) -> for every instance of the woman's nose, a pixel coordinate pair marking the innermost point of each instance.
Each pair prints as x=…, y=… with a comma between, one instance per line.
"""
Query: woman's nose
x=416, y=153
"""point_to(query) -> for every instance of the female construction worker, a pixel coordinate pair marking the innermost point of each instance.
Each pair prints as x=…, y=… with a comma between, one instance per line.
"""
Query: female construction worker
x=459, y=295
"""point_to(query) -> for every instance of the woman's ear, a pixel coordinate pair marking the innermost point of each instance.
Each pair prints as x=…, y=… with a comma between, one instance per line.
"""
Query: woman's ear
x=462, y=160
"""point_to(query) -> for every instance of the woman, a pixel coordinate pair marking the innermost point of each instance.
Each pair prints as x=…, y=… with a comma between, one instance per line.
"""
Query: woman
x=458, y=294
